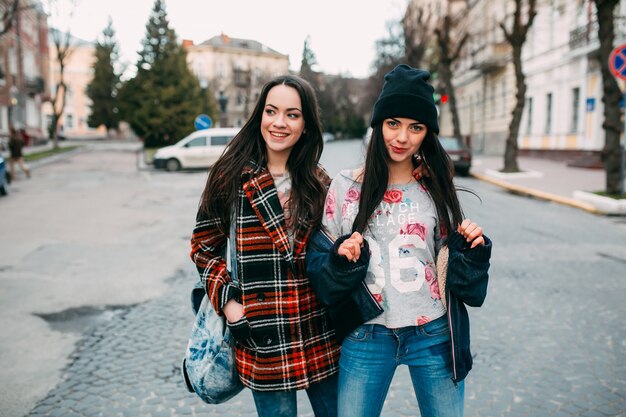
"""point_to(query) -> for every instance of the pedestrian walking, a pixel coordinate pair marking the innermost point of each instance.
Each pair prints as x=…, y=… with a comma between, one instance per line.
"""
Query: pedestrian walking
x=25, y=136
x=375, y=262
x=16, y=145
x=269, y=177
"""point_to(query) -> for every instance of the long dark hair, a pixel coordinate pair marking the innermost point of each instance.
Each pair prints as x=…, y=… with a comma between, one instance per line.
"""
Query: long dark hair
x=306, y=201
x=439, y=183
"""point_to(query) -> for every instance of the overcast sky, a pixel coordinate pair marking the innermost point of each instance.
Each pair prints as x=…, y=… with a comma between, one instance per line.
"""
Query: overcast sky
x=342, y=32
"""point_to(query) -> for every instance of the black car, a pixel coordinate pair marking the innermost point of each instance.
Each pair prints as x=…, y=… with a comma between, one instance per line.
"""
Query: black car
x=460, y=154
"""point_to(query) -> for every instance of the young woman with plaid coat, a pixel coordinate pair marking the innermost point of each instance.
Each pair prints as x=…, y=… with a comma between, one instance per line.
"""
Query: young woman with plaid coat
x=269, y=182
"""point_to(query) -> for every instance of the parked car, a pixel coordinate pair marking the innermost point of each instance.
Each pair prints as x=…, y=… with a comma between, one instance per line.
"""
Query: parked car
x=328, y=137
x=460, y=154
x=198, y=150
x=4, y=177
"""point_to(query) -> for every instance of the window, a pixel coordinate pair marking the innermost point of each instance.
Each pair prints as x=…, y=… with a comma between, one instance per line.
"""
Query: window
x=220, y=140
x=201, y=141
x=529, y=114
x=478, y=110
x=69, y=121
x=503, y=94
x=2, y=73
x=548, y=113
x=12, y=61
x=492, y=99
x=575, y=108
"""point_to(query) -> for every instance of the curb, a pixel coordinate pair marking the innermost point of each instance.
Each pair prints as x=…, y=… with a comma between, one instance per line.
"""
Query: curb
x=542, y=195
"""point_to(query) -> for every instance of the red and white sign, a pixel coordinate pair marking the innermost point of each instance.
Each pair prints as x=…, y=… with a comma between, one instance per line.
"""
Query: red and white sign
x=617, y=62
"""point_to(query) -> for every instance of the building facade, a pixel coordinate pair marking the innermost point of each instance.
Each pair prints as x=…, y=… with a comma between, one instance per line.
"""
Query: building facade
x=24, y=70
x=563, y=110
x=484, y=78
x=234, y=70
x=78, y=73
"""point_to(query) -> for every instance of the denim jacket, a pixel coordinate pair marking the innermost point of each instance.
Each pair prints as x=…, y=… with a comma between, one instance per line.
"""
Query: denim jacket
x=340, y=284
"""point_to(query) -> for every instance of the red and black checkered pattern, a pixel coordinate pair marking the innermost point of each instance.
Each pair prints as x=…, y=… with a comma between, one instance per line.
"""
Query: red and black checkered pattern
x=292, y=343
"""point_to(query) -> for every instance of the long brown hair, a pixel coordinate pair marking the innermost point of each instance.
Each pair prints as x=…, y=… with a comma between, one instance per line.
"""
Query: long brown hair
x=439, y=183
x=306, y=201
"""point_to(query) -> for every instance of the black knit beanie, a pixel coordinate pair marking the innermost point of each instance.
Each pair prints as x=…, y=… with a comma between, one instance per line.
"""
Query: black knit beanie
x=406, y=93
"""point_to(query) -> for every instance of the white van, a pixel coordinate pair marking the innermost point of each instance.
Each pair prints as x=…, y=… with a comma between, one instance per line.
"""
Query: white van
x=198, y=150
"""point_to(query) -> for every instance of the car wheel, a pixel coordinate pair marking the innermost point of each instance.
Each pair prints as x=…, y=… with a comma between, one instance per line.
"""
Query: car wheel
x=172, y=165
x=464, y=171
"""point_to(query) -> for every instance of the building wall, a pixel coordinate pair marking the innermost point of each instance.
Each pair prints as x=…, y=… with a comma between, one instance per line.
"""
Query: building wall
x=217, y=68
x=23, y=59
x=561, y=63
x=484, y=79
x=78, y=74
x=563, y=109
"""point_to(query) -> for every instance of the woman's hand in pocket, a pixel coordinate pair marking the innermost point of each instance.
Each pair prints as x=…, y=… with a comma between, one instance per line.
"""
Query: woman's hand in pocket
x=233, y=311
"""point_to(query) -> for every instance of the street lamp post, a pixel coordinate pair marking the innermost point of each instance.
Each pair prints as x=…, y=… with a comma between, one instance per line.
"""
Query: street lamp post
x=223, y=100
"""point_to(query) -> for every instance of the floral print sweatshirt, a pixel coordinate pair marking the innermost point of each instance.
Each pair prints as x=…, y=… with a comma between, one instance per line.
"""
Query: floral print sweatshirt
x=404, y=238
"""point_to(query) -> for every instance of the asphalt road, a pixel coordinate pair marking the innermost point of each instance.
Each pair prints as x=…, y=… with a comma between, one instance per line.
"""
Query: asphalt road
x=99, y=249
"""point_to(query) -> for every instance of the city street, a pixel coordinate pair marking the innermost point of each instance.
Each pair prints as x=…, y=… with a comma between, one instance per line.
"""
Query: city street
x=95, y=279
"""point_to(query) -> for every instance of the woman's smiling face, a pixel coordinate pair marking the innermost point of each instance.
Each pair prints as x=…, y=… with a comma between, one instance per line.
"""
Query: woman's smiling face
x=403, y=137
x=282, y=123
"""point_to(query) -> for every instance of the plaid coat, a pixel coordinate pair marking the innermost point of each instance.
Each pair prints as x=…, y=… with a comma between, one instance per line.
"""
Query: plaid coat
x=285, y=340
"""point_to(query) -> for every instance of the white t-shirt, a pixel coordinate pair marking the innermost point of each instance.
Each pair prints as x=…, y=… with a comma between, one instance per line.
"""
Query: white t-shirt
x=403, y=237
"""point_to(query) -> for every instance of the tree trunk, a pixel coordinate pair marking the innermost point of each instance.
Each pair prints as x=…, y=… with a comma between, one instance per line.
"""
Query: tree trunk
x=510, y=152
x=612, y=152
x=445, y=73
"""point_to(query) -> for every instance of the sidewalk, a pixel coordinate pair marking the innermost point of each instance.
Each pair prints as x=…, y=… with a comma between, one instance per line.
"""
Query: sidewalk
x=551, y=180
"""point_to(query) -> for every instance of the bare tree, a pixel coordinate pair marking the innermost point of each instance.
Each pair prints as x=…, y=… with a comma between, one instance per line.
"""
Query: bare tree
x=516, y=37
x=61, y=53
x=449, y=51
x=416, y=27
x=389, y=53
x=612, y=152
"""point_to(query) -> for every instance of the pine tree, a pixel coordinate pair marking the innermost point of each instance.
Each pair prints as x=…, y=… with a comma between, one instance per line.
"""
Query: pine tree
x=103, y=88
x=306, y=65
x=162, y=100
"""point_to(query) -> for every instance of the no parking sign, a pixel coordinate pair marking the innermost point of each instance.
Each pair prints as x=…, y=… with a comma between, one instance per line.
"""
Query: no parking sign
x=617, y=62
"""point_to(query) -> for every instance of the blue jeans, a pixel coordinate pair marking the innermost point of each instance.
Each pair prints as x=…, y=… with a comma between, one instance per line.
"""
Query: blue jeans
x=371, y=354
x=322, y=395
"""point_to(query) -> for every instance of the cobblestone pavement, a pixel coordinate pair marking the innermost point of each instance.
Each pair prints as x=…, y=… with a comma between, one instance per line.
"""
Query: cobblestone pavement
x=549, y=341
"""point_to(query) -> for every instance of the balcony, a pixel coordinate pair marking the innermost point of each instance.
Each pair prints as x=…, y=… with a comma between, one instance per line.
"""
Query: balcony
x=586, y=36
x=491, y=57
x=583, y=35
x=241, y=78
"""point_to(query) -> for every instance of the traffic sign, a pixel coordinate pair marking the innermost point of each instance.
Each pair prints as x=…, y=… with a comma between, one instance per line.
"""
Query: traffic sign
x=202, y=121
x=617, y=65
x=617, y=62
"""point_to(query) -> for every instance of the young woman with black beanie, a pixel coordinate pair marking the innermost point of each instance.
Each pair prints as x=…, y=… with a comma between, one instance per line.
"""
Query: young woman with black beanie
x=380, y=260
